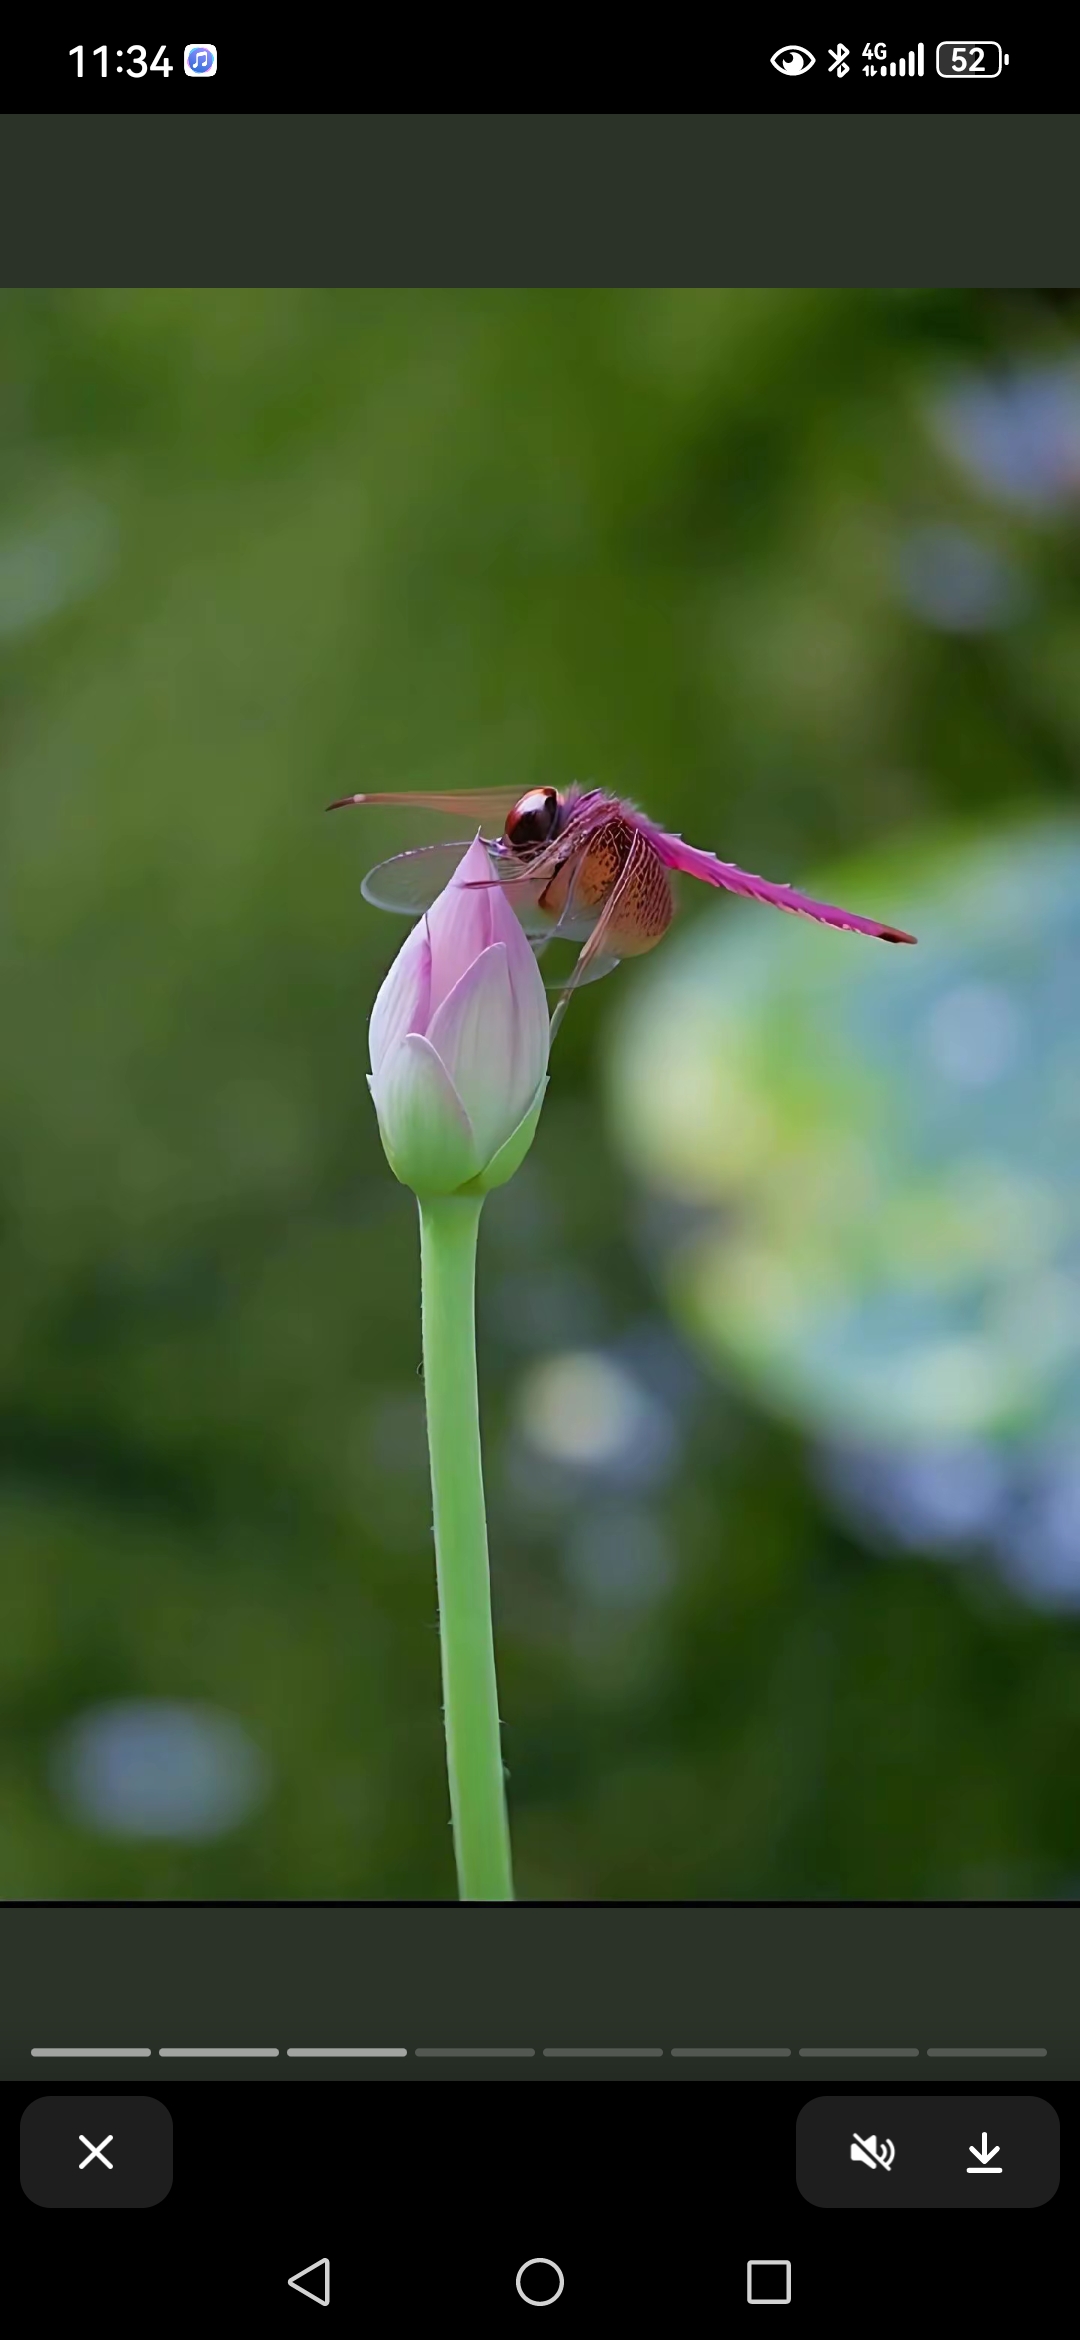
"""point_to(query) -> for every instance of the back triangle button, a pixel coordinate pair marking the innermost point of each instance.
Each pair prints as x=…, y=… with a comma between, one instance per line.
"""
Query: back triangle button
x=314, y=2282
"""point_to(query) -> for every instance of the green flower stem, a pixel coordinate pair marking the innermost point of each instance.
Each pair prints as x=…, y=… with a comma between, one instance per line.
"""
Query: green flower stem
x=448, y=1232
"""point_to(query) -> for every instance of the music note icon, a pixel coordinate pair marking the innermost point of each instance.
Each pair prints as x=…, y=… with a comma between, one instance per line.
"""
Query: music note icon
x=200, y=62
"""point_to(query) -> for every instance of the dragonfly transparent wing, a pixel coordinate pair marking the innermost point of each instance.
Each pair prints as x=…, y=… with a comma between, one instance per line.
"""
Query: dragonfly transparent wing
x=410, y=882
x=597, y=968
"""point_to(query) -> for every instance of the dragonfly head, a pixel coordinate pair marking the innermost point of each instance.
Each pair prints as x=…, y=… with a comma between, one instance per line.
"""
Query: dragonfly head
x=534, y=819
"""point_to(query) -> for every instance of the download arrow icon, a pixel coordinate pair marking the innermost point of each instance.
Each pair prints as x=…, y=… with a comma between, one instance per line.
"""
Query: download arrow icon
x=984, y=2159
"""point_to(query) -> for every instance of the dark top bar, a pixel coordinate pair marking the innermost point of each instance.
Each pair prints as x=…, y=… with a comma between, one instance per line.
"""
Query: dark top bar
x=339, y=67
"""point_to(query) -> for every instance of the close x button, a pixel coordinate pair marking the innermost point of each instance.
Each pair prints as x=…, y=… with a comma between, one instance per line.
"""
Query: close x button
x=927, y=2152
x=96, y=2152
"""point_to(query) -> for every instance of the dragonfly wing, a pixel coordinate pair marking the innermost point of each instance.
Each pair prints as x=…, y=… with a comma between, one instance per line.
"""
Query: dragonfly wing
x=410, y=882
x=472, y=803
x=593, y=973
x=676, y=855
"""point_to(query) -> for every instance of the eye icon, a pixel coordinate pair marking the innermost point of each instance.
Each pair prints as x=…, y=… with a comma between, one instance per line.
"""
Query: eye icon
x=792, y=60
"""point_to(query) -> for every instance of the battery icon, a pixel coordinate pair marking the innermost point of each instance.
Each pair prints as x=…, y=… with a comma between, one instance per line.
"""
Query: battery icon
x=970, y=60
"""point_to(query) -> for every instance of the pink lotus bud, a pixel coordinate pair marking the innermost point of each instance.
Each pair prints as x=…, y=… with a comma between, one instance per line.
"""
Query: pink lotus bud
x=459, y=1039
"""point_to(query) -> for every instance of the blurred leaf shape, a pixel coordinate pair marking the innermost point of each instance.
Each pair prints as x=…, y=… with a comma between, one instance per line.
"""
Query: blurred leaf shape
x=879, y=1149
x=1017, y=1507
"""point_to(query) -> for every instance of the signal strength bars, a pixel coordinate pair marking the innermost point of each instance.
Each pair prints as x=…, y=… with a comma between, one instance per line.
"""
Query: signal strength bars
x=913, y=63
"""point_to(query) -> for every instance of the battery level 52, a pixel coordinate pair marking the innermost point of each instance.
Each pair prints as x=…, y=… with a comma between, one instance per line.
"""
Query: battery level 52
x=970, y=60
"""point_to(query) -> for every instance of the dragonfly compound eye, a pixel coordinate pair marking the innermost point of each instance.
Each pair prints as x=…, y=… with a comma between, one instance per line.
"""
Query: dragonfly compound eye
x=533, y=819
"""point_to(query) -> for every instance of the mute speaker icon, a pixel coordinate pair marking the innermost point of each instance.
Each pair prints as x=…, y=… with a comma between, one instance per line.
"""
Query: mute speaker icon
x=874, y=2155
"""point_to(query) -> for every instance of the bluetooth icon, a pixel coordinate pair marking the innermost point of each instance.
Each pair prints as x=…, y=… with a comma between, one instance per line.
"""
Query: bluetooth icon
x=838, y=56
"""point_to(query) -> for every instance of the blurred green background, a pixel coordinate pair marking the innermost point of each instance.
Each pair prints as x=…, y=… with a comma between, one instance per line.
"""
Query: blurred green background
x=780, y=1323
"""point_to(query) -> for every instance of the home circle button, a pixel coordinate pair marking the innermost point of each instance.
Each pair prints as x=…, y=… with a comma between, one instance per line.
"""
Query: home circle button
x=539, y=2282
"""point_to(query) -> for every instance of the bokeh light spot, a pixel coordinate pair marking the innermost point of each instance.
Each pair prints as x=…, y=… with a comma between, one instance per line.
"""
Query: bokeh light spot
x=583, y=1409
x=158, y=1767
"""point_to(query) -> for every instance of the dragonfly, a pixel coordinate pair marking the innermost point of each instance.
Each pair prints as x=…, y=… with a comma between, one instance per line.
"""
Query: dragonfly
x=581, y=866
